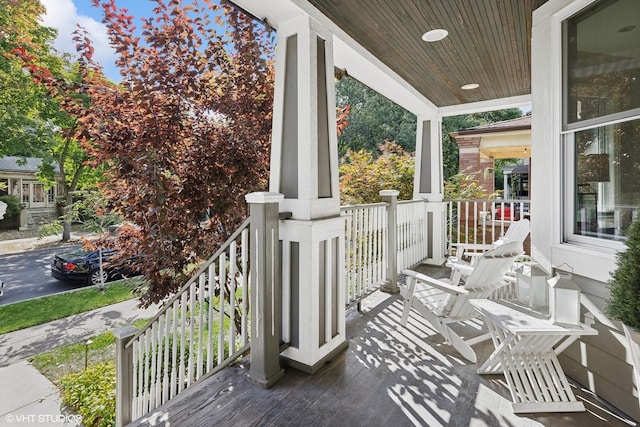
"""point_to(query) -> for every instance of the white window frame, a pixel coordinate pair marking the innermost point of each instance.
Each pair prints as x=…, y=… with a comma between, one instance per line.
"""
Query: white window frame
x=568, y=151
x=29, y=192
x=548, y=244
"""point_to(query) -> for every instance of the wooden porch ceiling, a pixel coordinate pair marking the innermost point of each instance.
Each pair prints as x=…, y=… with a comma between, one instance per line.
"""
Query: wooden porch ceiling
x=511, y=152
x=489, y=43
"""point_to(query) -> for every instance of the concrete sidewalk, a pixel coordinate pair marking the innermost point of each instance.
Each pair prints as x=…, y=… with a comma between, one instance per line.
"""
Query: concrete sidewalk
x=20, y=245
x=27, y=398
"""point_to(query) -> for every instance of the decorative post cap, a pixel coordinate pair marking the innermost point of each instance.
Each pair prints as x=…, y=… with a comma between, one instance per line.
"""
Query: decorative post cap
x=264, y=197
x=384, y=193
x=563, y=280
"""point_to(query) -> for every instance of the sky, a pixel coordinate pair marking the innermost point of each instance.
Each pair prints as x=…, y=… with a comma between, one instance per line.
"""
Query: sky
x=64, y=15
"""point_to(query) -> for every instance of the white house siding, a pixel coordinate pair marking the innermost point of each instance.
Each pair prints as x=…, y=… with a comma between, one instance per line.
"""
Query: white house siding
x=600, y=363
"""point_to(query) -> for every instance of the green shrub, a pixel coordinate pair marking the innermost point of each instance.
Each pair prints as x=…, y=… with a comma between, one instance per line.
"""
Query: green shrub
x=13, y=205
x=92, y=394
x=624, y=300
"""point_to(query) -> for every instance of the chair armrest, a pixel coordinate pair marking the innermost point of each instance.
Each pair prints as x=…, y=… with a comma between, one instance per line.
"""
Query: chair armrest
x=435, y=283
x=464, y=268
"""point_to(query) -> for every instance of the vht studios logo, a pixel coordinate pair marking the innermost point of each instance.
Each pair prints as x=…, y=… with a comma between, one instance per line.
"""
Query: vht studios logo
x=43, y=418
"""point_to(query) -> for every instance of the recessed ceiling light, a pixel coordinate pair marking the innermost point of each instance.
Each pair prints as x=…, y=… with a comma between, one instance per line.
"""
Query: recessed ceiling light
x=627, y=29
x=470, y=86
x=435, y=35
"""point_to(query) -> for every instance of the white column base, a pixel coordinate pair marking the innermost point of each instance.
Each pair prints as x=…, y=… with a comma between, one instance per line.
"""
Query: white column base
x=313, y=289
x=437, y=226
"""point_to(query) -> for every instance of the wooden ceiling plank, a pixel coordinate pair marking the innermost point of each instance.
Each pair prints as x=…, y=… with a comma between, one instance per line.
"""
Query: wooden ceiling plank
x=489, y=43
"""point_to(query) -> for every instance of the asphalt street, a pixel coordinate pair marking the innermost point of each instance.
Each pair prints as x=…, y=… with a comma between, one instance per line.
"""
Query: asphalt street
x=27, y=275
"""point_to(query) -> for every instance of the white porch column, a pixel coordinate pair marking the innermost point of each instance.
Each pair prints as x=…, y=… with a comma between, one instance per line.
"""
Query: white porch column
x=428, y=184
x=304, y=168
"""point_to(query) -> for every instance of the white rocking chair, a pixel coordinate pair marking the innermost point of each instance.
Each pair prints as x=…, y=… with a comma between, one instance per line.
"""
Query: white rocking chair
x=517, y=232
x=441, y=302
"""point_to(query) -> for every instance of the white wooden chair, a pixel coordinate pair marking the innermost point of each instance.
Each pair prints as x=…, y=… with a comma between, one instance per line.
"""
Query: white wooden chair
x=441, y=302
x=517, y=232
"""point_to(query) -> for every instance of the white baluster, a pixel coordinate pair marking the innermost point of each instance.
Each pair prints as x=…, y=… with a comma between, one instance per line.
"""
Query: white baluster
x=183, y=332
x=221, y=278
x=201, y=343
x=174, y=350
x=192, y=326
x=245, y=285
x=232, y=297
x=211, y=277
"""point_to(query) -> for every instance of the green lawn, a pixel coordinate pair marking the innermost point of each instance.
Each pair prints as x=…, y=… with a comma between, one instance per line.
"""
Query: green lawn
x=22, y=315
x=70, y=358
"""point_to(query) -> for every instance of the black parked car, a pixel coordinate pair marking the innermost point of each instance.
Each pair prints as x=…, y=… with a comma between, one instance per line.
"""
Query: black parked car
x=81, y=265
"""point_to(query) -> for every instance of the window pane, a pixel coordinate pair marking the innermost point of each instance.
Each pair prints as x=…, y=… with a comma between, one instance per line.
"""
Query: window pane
x=38, y=192
x=25, y=193
x=603, y=62
x=607, y=165
x=4, y=186
x=15, y=187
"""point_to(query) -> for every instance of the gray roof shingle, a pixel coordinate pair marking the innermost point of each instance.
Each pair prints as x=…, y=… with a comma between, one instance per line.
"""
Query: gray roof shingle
x=11, y=164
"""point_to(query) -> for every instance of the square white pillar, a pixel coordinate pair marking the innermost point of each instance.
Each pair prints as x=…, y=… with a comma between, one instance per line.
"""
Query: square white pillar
x=314, y=322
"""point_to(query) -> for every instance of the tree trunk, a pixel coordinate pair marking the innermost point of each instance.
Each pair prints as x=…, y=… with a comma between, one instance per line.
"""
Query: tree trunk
x=66, y=220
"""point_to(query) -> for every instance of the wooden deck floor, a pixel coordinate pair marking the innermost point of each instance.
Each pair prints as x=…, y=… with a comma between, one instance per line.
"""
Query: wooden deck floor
x=389, y=376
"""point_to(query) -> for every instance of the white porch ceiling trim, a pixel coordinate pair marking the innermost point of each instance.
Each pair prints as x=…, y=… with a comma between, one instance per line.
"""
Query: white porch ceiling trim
x=490, y=105
x=366, y=68
x=348, y=54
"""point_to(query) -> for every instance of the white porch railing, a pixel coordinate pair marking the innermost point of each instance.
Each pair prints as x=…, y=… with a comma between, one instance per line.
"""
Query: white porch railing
x=200, y=330
x=365, y=249
x=368, y=244
x=205, y=326
x=481, y=221
x=412, y=232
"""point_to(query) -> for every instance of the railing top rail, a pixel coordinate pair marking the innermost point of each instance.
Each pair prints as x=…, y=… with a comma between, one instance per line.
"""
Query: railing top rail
x=414, y=201
x=194, y=277
x=490, y=200
x=345, y=208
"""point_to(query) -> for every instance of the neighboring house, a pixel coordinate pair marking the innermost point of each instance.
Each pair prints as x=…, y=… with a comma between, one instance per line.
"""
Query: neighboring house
x=480, y=146
x=38, y=201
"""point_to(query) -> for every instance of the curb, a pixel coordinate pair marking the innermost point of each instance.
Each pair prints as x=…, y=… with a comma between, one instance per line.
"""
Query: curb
x=13, y=246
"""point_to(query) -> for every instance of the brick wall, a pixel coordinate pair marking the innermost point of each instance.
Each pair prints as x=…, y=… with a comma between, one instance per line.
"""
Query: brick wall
x=472, y=163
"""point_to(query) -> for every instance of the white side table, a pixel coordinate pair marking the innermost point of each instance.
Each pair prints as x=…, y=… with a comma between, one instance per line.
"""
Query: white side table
x=526, y=349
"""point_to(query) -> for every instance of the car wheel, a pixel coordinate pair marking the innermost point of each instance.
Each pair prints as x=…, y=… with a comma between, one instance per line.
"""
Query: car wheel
x=95, y=278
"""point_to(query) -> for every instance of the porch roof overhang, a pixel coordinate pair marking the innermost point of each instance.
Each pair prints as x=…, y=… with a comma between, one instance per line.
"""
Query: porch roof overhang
x=509, y=139
x=379, y=43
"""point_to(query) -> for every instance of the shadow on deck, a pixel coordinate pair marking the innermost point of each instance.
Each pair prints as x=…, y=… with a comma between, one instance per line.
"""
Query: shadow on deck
x=389, y=375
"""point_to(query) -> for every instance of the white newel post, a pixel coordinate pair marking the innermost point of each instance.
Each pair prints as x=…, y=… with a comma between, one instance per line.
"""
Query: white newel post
x=304, y=168
x=437, y=226
x=266, y=289
x=390, y=197
x=124, y=375
x=427, y=184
